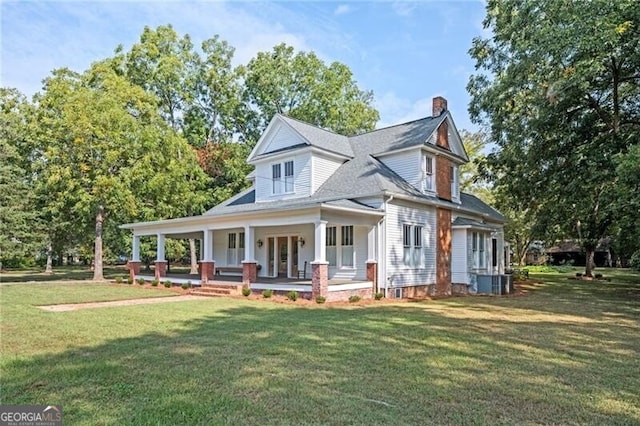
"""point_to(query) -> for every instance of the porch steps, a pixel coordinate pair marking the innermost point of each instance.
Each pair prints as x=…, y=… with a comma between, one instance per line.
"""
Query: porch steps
x=216, y=290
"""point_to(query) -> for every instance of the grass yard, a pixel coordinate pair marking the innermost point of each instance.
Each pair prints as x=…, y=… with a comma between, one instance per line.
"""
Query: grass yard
x=567, y=353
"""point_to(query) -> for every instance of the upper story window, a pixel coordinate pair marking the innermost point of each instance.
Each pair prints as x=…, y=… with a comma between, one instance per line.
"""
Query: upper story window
x=428, y=173
x=279, y=183
x=454, y=182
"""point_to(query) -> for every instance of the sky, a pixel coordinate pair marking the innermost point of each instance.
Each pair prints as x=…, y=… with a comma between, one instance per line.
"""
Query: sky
x=405, y=52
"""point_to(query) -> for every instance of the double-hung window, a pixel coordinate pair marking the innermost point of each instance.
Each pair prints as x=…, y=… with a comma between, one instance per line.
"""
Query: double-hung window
x=232, y=251
x=454, y=182
x=412, y=236
x=478, y=250
x=428, y=173
x=332, y=254
x=276, y=175
x=347, y=246
x=282, y=183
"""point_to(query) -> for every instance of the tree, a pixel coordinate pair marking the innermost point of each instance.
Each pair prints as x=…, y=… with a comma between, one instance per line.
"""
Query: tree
x=106, y=155
x=304, y=87
x=471, y=177
x=20, y=233
x=558, y=90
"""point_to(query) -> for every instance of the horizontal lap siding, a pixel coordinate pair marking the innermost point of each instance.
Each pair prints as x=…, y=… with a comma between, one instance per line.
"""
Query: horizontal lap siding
x=408, y=165
x=301, y=177
x=459, y=265
x=403, y=275
x=322, y=169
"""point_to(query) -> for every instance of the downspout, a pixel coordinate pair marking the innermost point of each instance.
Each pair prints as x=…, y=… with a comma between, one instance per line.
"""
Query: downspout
x=384, y=249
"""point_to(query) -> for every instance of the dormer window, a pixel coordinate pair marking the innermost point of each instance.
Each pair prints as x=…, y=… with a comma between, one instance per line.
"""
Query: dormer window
x=428, y=173
x=281, y=185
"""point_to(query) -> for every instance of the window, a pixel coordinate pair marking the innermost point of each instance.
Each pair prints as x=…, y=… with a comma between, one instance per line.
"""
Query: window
x=281, y=185
x=232, y=252
x=454, y=182
x=331, y=246
x=406, y=243
x=478, y=250
x=347, y=245
x=412, y=237
x=416, y=257
x=288, y=176
x=428, y=173
x=276, y=174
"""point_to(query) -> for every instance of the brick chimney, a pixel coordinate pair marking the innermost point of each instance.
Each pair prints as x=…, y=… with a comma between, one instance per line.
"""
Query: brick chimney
x=439, y=105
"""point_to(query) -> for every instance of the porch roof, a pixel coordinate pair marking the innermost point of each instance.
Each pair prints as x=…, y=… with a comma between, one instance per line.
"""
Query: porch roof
x=463, y=222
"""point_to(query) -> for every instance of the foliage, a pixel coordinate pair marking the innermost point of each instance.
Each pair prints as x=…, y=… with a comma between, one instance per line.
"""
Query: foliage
x=246, y=291
x=129, y=280
x=167, y=284
x=471, y=177
x=267, y=293
x=140, y=281
x=185, y=286
x=558, y=90
x=155, y=282
x=302, y=86
x=354, y=299
x=118, y=280
x=320, y=299
x=292, y=295
x=378, y=295
x=20, y=229
x=634, y=262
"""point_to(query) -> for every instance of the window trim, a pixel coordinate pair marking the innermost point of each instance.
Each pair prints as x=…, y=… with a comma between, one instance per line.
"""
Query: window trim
x=428, y=169
x=281, y=181
x=338, y=247
x=478, y=250
x=412, y=245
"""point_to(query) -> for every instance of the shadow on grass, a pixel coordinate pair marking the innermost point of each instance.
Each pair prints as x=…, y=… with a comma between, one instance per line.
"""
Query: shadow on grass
x=64, y=273
x=428, y=363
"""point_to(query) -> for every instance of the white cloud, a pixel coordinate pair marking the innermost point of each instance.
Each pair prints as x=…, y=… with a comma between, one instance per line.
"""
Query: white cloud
x=395, y=110
x=403, y=8
x=342, y=9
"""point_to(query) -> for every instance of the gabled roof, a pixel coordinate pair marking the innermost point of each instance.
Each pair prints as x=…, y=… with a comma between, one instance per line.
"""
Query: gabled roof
x=400, y=136
x=473, y=203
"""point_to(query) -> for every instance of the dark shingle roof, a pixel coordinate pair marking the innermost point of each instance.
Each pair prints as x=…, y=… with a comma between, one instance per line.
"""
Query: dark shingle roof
x=321, y=138
x=473, y=203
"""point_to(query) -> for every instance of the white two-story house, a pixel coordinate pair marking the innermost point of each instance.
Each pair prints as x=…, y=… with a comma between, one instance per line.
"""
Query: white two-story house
x=331, y=215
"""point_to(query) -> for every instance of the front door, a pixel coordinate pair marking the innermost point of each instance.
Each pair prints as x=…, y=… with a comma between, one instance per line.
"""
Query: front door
x=283, y=248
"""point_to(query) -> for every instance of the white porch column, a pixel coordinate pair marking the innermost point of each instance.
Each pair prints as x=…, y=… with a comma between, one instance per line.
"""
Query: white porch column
x=372, y=243
x=207, y=246
x=135, y=249
x=320, y=238
x=249, y=244
x=160, y=248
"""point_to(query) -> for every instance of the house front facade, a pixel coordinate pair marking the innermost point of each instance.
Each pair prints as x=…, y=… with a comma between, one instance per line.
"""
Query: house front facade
x=330, y=215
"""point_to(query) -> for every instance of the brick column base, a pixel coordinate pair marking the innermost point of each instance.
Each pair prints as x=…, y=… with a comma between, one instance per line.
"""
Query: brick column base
x=134, y=268
x=161, y=269
x=207, y=271
x=249, y=273
x=319, y=279
x=372, y=273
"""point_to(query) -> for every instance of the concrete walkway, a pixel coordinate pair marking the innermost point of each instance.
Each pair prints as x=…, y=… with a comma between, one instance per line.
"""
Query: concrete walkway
x=127, y=302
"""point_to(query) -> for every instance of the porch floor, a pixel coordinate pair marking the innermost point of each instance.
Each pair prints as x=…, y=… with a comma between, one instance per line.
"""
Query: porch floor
x=236, y=280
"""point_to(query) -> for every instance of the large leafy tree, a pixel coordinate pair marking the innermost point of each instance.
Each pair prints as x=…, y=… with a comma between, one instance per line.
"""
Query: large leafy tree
x=20, y=231
x=558, y=90
x=105, y=156
x=302, y=86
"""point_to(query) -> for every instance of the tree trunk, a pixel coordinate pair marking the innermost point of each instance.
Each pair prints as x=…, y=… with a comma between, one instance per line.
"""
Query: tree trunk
x=194, y=258
x=97, y=270
x=588, y=269
x=49, y=268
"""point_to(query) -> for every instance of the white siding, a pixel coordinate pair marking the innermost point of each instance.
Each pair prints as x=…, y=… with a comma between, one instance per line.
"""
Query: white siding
x=220, y=241
x=322, y=169
x=459, y=265
x=407, y=164
x=284, y=137
x=375, y=202
x=398, y=274
x=301, y=177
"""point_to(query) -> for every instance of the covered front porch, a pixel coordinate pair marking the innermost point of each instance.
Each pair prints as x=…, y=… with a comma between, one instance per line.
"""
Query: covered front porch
x=324, y=252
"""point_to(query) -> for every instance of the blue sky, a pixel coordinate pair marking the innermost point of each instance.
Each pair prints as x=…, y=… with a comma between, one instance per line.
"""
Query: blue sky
x=406, y=52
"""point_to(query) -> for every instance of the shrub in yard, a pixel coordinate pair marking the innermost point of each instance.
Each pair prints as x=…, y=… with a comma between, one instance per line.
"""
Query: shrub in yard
x=246, y=291
x=185, y=286
x=378, y=295
x=118, y=280
x=267, y=293
x=155, y=282
x=292, y=295
x=167, y=284
x=141, y=281
x=355, y=298
x=129, y=280
x=321, y=299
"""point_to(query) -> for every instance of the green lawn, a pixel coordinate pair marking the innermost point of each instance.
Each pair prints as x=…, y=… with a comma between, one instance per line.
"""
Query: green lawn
x=567, y=353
